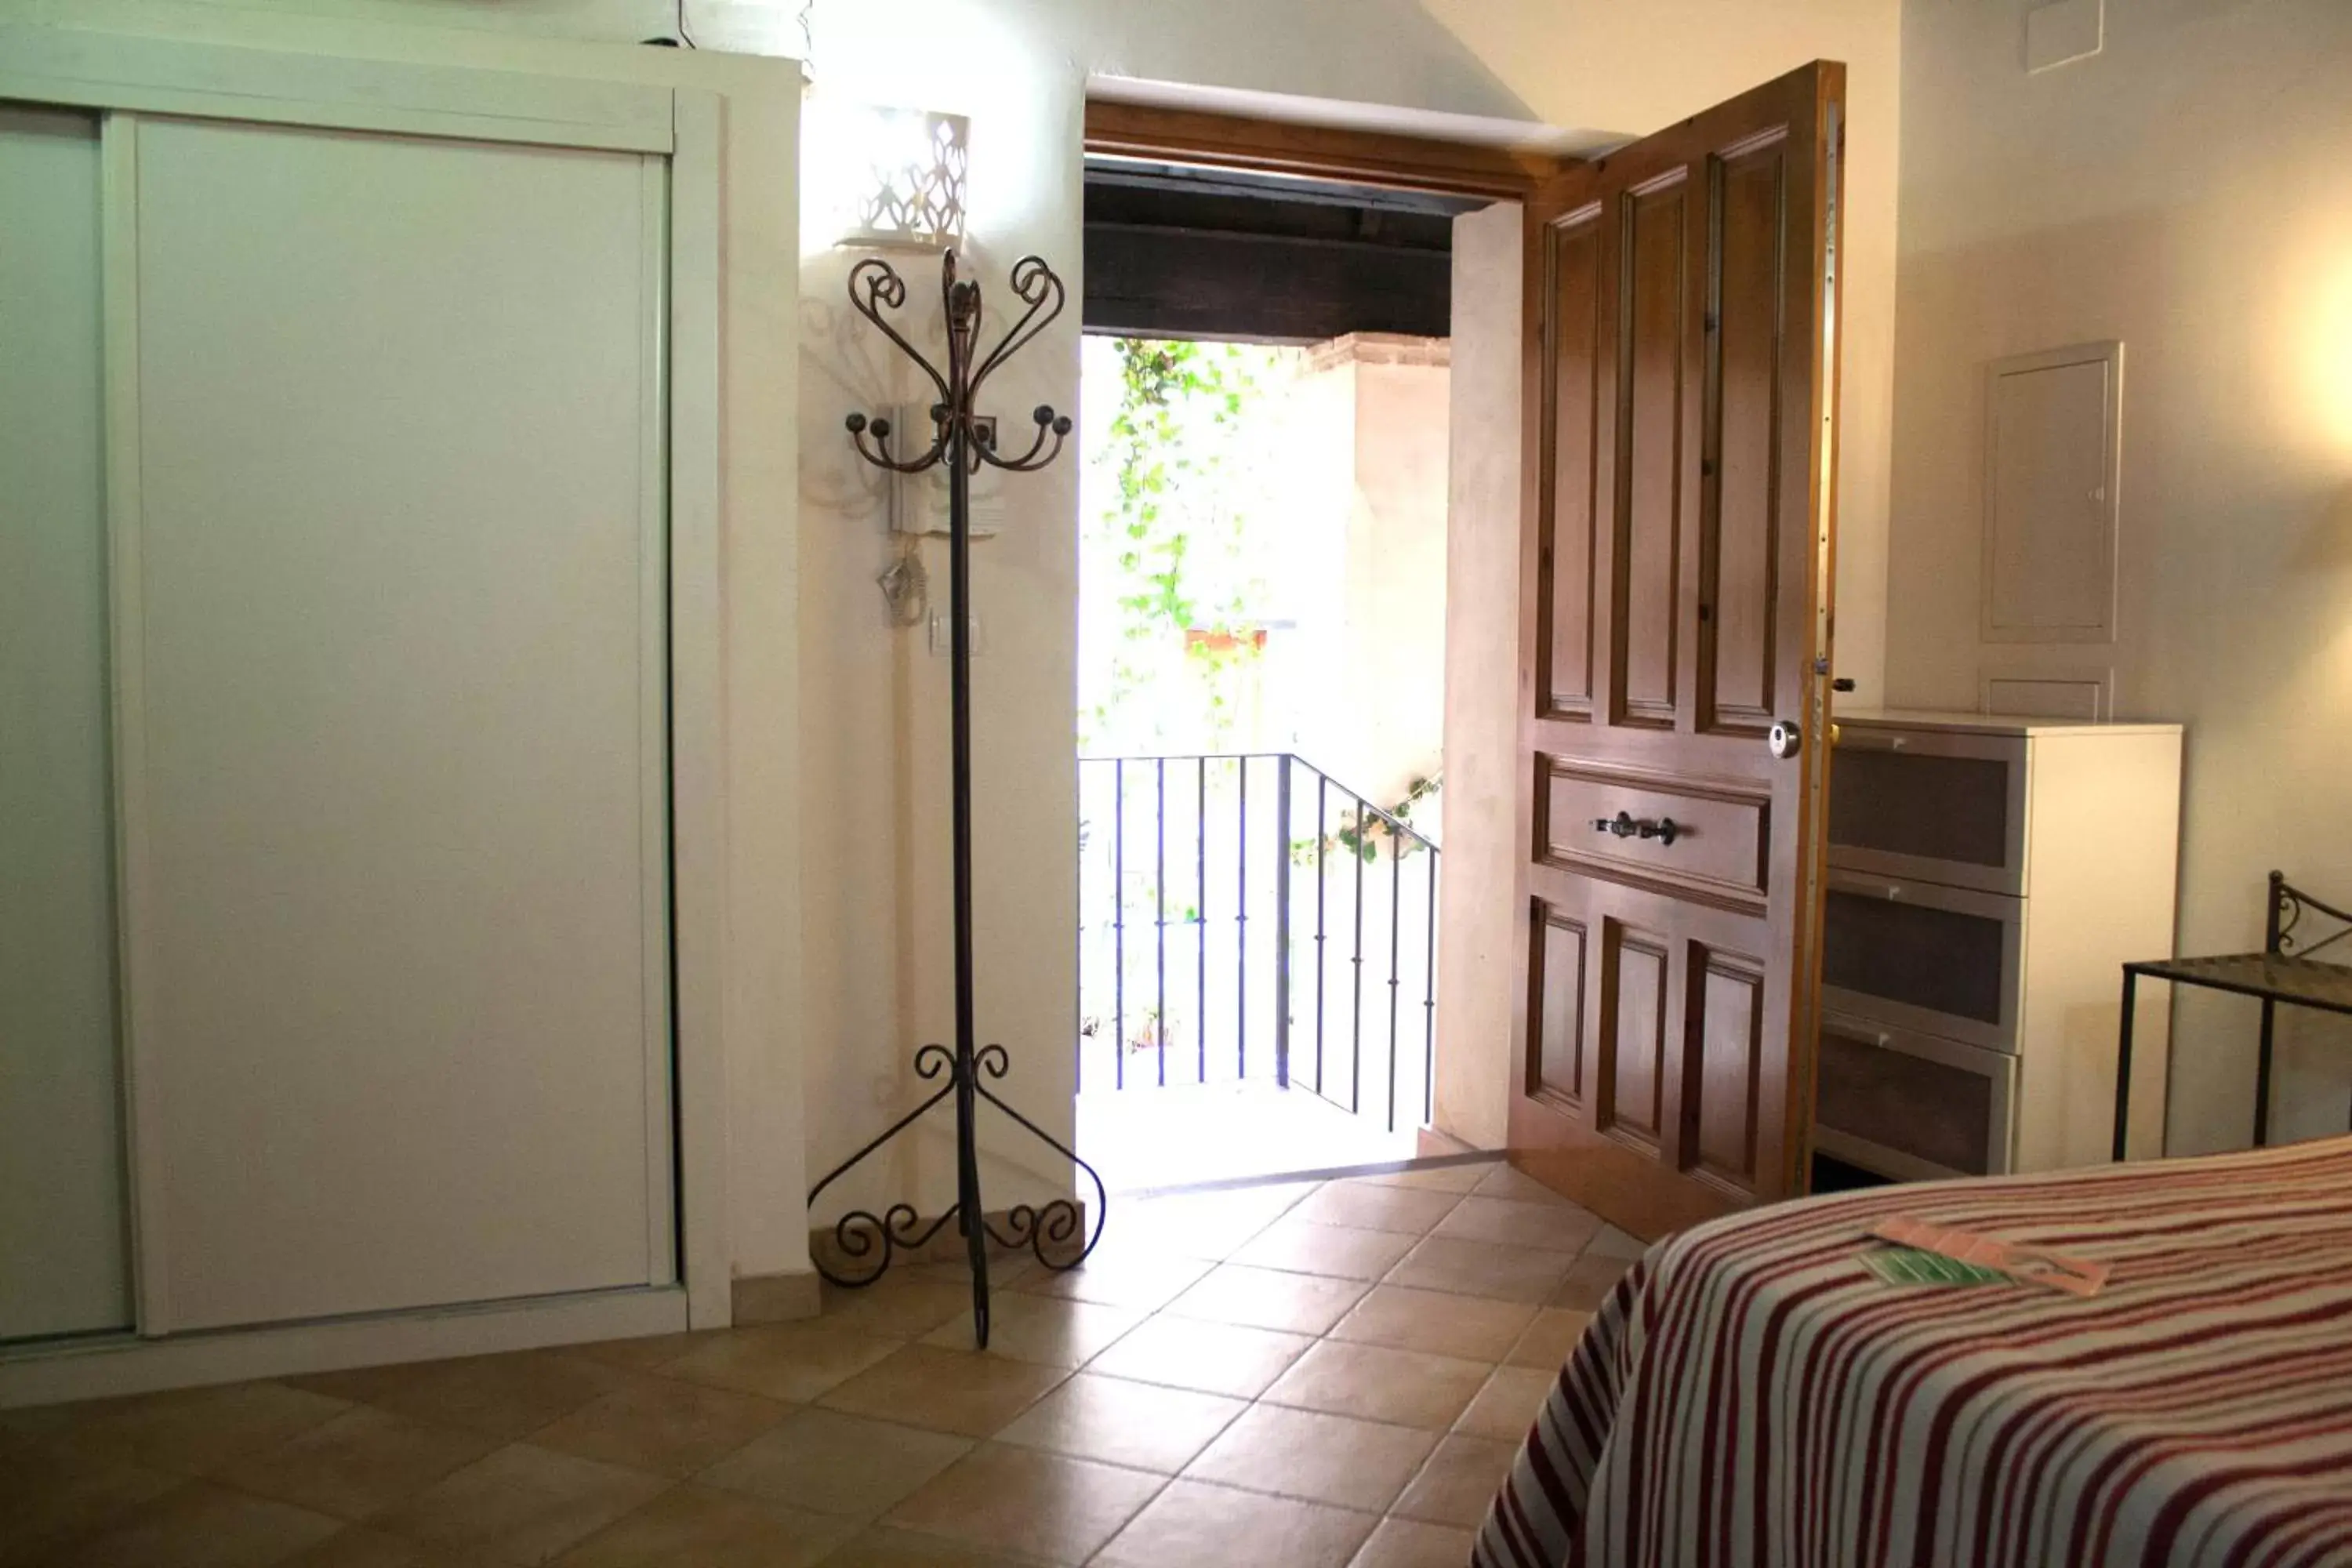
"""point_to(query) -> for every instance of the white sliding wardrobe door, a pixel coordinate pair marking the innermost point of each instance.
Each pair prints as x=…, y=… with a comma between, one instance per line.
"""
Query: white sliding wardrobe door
x=395, y=734
x=64, y=1245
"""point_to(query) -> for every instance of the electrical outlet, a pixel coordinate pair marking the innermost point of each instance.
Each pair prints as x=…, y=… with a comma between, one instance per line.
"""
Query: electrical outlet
x=943, y=634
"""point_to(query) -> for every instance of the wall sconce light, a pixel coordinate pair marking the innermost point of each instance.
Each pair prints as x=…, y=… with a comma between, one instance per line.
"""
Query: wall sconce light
x=903, y=172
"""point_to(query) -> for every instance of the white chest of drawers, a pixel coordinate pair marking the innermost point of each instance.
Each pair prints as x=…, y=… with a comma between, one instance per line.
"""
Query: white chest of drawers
x=1989, y=876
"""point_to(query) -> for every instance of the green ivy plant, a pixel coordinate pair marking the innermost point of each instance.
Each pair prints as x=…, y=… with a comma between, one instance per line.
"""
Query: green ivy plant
x=1167, y=390
x=1365, y=846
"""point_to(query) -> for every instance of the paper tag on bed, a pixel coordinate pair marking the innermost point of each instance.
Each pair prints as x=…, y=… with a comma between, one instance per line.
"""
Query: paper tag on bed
x=1911, y=1265
x=2075, y=1276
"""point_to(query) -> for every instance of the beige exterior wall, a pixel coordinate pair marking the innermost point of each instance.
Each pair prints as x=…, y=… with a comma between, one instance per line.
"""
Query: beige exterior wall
x=1475, y=971
x=2185, y=190
x=1373, y=700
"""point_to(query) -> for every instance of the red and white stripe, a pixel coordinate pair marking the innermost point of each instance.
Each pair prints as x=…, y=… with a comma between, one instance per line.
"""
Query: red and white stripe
x=1750, y=1394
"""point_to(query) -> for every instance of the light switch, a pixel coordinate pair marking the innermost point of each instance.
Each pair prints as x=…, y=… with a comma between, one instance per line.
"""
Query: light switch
x=943, y=634
x=2063, y=32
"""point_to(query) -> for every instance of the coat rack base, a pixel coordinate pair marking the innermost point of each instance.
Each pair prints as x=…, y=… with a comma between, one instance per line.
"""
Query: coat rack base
x=1057, y=1234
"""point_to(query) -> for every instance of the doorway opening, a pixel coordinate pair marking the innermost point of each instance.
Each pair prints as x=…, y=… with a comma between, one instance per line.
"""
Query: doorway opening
x=1261, y=692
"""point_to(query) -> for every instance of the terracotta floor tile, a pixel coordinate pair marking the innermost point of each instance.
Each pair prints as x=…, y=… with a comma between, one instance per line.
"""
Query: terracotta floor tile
x=1502, y=1180
x=195, y=1430
x=1306, y=1454
x=1343, y=1251
x=1210, y=1225
x=791, y=1362
x=1035, y=1504
x=1549, y=1339
x=1410, y=1211
x=1410, y=1543
x=1433, y=1178
x=362, y=1460
x=521, y=1504
x=367, y=1385
x=1560, y=1227
x=1005, y=1270
x=1141, y=1425
x=1589, y=1281
x=1614, y=1243
x=506, y=1397
x=1506, y=1407
x=362, y=1547
x=1215, y=1358
x=1269, y=1298
x=830, y=1463
x=1044, y=1329
x=1482, y=1268
x=1409, y=1388
x=1471, y=1327
x=1459, y=1482
x=48, y=1496
x=887, y=1546
x=900, y=1306
x=692, y=1527
x=1124, y=1275
x=643, y=1353
x=1195, y=1523
x=201, y=1525
x=662, y=1426
x=47, y=1422
x=945, y=1390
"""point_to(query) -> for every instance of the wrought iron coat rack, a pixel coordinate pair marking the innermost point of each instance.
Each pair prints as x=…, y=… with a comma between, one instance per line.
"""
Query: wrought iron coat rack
x=963, y=439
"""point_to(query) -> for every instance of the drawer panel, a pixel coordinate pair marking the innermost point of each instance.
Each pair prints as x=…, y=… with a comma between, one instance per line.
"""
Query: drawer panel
x=1717, y=851
x=1929, y=807
x=1911, y=1106
x=1942, y=960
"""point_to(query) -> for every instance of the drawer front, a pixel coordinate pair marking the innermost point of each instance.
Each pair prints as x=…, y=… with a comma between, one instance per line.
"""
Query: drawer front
x=1939, y=961
x=1717, y=851
x=1911, y=1106
x=1929, y=807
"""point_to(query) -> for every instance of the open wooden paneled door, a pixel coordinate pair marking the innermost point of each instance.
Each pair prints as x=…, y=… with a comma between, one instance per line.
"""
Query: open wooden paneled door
x=1681, y=406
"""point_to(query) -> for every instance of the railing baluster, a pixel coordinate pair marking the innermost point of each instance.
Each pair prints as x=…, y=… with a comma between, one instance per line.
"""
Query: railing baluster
x=1119, y=920
x=1429, y=1001
x=1079, y=1065
x=1201, y=918
x=1159, y=906
x=1396, y=922
x=1356, y=1030
x=1357, y=820
x=1322, y=845
x=1241, y=926
x=1282, y=920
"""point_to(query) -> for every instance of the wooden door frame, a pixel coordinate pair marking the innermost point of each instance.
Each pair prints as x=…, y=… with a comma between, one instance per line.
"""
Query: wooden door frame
x=1248, y=144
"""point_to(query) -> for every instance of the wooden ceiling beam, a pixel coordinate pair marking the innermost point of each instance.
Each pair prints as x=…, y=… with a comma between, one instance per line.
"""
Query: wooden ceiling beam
x=1312, y=151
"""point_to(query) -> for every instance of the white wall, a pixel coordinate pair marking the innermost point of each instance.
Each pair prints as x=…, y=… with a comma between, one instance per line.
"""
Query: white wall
x=2186, y=191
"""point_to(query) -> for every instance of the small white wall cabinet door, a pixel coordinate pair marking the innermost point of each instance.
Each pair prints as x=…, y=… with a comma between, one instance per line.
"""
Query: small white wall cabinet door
x=64, y=1265
x=395, y=733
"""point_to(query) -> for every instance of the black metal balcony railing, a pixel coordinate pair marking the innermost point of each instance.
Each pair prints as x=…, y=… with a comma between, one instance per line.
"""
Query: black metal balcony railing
x=1294, y=871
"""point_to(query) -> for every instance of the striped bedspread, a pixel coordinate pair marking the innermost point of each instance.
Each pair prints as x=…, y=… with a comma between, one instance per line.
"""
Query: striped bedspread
x=1751, y=1395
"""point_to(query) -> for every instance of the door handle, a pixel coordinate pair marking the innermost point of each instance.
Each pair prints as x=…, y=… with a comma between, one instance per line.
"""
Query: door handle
x=1784, y=740
x=1624, y=825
